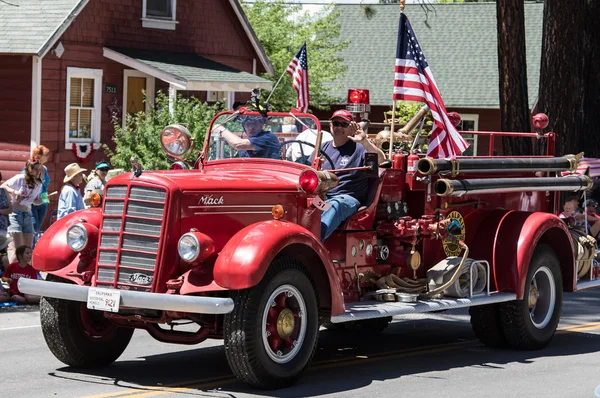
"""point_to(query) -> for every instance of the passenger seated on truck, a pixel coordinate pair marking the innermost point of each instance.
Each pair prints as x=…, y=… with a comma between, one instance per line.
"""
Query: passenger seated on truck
x=591, y=208
x=571, y=213
x=347, y=150
x=259, y=144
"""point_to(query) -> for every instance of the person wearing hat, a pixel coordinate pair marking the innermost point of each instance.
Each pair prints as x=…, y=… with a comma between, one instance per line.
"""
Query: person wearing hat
x=259, y=144
x=346, y=150
x=70, y=199
x=96, y=182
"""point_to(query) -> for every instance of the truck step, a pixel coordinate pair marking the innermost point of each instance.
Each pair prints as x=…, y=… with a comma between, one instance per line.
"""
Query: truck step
x=376, y=309
x=588, y=284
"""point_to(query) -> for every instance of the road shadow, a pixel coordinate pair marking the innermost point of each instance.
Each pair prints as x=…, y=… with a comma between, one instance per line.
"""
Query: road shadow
x=343, y=362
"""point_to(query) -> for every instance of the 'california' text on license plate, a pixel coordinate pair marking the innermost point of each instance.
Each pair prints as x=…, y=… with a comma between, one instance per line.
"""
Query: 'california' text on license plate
x=103, y=299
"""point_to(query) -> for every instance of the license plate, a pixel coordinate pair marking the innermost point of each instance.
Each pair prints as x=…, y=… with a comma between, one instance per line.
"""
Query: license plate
x=103, y=299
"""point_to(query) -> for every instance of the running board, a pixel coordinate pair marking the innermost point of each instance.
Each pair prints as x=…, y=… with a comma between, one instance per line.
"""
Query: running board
x=376, y=309
x=587, y=284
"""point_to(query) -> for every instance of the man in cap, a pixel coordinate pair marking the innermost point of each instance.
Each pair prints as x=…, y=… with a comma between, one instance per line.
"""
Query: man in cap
x=70, y=199
x=259, y=144
x=346, y=150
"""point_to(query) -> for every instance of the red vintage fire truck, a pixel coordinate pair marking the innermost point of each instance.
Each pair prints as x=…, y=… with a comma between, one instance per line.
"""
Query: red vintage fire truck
x=232, y=243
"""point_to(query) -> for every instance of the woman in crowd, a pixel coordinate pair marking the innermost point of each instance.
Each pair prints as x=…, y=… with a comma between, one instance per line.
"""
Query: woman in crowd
x=38, y=212
x=25, y=190
x=96, y=182
x=21, y=269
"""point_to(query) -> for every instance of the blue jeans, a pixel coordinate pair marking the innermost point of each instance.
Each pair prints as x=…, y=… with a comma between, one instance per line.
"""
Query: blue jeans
x=342, y=207
x=38, y=214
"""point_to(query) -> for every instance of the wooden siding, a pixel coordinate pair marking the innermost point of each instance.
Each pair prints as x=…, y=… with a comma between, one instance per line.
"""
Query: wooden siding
x=15, y=99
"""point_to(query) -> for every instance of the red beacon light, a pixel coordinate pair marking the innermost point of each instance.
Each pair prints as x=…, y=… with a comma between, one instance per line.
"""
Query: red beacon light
x=455, y=118
x=316, y=182
x=540, y=121
x=358, y=100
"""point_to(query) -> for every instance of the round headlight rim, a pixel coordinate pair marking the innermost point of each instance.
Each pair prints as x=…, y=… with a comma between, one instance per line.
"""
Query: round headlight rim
x=85, y=234
x=193, y=236
x=183, y=130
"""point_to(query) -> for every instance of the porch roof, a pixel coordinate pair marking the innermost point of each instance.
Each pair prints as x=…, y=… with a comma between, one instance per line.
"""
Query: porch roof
x=187, y=71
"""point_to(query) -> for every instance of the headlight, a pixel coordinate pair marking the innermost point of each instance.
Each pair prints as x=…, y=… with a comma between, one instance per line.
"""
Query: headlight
x=188, y=247
x=77, y=237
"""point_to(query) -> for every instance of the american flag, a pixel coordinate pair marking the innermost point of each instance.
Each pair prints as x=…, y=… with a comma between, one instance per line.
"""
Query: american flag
x=413, y=81
x=298, y=69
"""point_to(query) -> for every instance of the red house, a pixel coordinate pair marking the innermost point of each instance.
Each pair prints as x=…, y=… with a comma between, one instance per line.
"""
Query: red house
x=66, y=65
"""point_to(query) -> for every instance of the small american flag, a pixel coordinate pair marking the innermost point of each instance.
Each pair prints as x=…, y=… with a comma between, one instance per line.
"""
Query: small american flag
x=413, y=81
x=298, y=69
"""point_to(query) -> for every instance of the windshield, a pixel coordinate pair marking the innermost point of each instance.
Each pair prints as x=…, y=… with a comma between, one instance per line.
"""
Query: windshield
x=280, y=136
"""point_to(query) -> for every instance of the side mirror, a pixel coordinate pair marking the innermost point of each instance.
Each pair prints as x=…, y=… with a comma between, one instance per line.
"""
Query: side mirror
x=372, y=159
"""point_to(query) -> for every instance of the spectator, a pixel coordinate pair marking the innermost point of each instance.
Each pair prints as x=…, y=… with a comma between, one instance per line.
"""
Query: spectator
x=591, y=208
x=5, y=210
x=38, y=212
x=289, y=125
x=70, y=199
x=571, y=213
x=25, y=190
x=96, y=182
x=21, y=269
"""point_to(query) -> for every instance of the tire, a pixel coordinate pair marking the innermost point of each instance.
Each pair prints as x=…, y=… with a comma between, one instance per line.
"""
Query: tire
x=486, y=324
x=531, y=323
x=80, y=337
x=271, y=335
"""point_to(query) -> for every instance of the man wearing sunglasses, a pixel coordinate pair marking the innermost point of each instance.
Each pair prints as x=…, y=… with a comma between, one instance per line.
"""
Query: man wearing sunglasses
x=347, y=150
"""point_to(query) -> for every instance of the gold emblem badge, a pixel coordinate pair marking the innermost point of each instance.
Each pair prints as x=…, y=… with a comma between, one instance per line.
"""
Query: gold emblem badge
x=456, y=227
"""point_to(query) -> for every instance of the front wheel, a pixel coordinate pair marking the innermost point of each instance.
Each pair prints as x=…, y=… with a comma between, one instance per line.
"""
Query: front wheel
x=530, y=323
x=80, y=337
x=271, y=334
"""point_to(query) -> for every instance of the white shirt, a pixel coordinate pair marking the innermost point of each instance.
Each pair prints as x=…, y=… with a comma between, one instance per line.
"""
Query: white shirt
x=28, y=195
x=296, y=150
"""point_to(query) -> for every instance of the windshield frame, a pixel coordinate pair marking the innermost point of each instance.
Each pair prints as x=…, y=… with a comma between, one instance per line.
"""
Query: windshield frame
x=230, y=114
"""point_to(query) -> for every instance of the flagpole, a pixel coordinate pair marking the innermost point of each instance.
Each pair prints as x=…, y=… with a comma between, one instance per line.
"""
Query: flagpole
x=391, y=151
x=276, y=84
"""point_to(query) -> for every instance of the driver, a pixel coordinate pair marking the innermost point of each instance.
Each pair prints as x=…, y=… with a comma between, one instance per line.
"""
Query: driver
x=259, y=144
x=347, y=150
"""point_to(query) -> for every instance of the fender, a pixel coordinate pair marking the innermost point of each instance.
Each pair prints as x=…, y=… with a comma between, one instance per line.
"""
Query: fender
x=245, y=258
x=516, y=239
x=53, y=255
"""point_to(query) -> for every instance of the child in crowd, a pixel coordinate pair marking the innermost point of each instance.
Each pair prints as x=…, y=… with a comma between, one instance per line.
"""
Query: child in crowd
x=571, y=213
x=21, y=269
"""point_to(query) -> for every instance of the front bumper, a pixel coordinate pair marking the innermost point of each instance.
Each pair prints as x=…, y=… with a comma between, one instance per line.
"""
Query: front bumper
x=131, y=299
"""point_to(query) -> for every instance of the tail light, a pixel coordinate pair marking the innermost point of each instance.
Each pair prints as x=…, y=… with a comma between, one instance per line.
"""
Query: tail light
x=316, y=182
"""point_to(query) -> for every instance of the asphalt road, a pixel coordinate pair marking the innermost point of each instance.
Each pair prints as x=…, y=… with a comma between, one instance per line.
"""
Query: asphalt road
x=421, y=356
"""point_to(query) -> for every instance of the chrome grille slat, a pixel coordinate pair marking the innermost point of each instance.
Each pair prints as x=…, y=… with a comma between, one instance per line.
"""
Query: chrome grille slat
x=143, y=193
x=150, y=210
x=143, y=211
x=140, y=243
x=138, y=260
x=113, y=207
x=116, y=192
x=109, y=241
x=142, y=227
x=111, y=224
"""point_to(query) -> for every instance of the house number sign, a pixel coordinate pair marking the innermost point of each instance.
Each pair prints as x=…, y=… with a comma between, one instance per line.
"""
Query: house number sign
x=111, y=88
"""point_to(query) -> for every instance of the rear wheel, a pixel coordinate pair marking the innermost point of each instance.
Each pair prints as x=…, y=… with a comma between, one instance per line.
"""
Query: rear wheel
x=531, y=323
x=80, y=337
x=271, y=334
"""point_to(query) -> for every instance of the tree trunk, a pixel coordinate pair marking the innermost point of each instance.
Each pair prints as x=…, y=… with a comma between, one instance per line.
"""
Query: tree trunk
x=569, y=75
x=512, y=72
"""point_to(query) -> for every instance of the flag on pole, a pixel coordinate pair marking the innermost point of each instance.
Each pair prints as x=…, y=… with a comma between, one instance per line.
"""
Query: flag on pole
x=298, y=69
x=413, y=81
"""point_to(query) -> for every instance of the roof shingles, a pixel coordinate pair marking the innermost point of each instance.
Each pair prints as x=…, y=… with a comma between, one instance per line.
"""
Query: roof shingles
x=459, y=40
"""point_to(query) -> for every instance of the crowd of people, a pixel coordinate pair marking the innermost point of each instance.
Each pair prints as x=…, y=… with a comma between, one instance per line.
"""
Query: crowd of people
x=24, y=200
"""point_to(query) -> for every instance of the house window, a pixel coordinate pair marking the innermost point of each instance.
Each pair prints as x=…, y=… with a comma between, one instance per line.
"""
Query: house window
x=159, y=14
x=84, y=100
x=469, y=122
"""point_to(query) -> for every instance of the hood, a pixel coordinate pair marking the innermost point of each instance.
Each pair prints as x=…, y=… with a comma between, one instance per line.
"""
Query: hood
x=223, y=176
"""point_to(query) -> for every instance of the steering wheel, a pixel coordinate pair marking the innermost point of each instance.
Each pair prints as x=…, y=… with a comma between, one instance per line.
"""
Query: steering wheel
x=304, y=157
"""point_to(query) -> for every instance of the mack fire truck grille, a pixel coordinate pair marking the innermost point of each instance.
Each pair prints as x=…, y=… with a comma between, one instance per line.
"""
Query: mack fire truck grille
x=130, y=237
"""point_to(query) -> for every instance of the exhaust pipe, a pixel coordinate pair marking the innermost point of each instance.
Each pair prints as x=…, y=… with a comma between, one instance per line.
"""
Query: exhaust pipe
x=445, y=187
x=428, y=166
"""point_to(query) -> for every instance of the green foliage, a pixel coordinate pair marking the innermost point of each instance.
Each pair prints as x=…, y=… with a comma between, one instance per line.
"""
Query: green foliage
x=141, y=136
x=282, y=29
x=405, y=110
